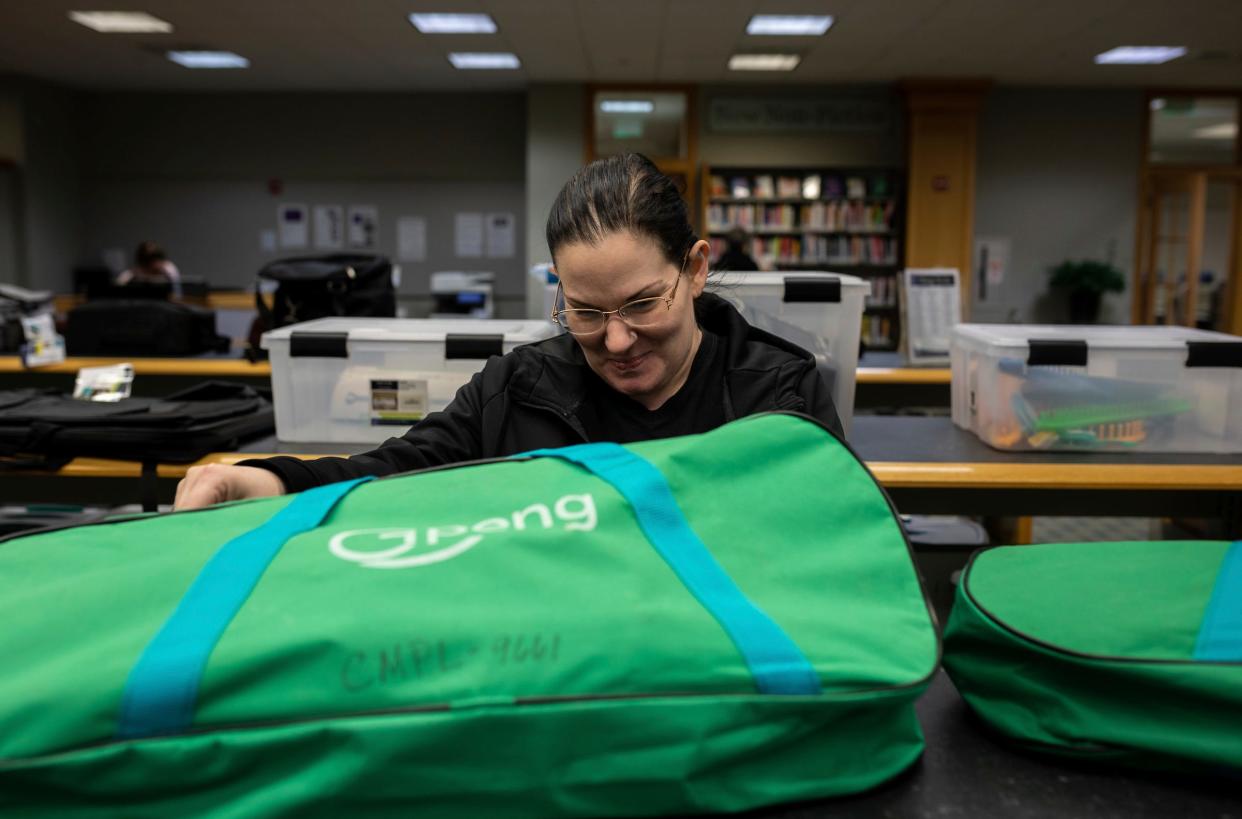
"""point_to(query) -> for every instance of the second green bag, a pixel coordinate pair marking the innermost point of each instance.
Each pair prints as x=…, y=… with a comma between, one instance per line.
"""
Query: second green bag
x=709, y=623
x=1127, y=653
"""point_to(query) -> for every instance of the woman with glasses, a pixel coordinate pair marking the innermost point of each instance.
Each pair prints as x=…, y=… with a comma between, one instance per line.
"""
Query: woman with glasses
x=646, y=354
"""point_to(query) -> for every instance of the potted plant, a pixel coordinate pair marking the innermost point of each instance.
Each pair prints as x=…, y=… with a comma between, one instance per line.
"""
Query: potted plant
x=1085, y=282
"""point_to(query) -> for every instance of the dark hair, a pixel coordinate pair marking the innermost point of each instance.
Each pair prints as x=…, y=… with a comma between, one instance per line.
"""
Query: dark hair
x=147, y=253
x=626, y=192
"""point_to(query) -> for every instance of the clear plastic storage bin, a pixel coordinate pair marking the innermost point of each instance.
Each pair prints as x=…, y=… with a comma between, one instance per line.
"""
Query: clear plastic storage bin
x=820, y=312
x=363, y=380
x=1091, y=388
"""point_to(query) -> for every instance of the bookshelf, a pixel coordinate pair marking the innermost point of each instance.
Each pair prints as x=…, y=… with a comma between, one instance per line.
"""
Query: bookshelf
x=845, y=220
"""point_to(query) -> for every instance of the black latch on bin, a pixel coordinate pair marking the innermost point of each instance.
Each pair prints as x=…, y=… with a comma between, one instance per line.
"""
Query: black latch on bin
x=812, y=289
x=1046, y=352
x=473, y=346
x=318, y=345
x=1214, y=353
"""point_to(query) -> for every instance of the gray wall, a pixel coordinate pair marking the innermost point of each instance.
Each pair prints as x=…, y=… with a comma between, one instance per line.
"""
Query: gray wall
x=554, y=151
x=1057, y=175
x=48, y=184
x=192, y=172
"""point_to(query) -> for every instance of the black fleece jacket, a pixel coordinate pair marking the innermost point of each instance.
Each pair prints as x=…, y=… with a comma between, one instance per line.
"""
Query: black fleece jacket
x=530, y=399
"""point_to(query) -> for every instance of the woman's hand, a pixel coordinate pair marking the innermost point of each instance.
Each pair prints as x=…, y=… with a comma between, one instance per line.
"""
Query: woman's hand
x=217, y=483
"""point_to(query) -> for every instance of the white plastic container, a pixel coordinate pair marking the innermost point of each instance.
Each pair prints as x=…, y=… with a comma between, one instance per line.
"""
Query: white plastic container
x=363, y=380
x=1092, y=388
x=820, y=312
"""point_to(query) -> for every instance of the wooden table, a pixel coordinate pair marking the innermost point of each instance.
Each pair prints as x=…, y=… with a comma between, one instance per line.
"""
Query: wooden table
x=927, y=466
x=153, y=377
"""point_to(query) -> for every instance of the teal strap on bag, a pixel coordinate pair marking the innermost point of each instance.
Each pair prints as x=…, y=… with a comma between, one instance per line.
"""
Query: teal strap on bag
x=775, y=661
x=1220, y=635
x=162, y=688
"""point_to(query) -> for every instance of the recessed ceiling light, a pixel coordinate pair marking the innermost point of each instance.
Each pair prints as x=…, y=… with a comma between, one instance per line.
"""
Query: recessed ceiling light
x=627, y=106
x=806, y=25
x=121, y=22
x=484, y=60
x=1140, y=55
x=1225, y=130
x=454, y=23
x=208, y=59
x=763, y=62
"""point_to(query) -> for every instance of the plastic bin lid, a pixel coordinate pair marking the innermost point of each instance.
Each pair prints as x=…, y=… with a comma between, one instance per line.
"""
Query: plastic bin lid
x=1096, y=336
x=731, y=278
x=517, y=331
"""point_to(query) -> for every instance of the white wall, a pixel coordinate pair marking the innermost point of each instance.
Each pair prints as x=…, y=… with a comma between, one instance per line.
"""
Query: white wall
x=192, y=172
x=1057, y=176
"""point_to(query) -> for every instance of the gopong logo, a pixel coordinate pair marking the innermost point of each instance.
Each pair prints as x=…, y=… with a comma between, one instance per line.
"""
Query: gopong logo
x=371, y=547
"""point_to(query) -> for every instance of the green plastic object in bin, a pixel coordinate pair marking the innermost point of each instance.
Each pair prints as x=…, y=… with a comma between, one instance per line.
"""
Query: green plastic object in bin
x=709, y=623
x=1128, y=652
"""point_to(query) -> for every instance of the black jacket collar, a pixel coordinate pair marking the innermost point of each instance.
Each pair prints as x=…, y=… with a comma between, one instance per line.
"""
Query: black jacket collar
x=553, y=372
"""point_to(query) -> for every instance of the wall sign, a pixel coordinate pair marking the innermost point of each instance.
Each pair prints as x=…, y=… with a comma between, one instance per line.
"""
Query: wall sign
x=757, y=115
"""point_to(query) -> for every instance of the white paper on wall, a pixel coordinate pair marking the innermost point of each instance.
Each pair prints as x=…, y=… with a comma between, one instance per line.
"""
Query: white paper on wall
x=468, y=235
x=363, y=227
x=292, y=225
x=267, y=240
x=501, y=242
x=411, y=239
x=329, y=227
x=992, y=257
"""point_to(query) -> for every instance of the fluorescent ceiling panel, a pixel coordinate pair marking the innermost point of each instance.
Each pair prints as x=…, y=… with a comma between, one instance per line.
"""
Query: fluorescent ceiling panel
x=484, y=60
x=1225, y=130
x=804, y=25
x=454, y=23
x=121, y=22
x=763, y=62
x=1140, y=55
x=626, y=106
x=208, y=59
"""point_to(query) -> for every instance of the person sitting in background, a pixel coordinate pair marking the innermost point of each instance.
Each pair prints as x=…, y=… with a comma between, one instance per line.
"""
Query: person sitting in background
x=735, y=257
x=151, y=266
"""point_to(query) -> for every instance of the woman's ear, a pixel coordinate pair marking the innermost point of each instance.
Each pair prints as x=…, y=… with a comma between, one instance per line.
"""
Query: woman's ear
x=698, y=266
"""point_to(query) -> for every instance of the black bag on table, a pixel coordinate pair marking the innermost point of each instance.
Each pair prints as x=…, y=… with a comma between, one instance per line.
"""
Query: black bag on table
x=142, y=327
x=44, y=429
x=311, y=287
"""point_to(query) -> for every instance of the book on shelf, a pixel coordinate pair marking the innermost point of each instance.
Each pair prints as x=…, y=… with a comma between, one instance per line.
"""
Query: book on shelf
x=883, y=292
x=834, y=187
x=877, y=331
x=880, y=186
x=739, y=187
x=788, y=187
x=718, y=187
x=855, y=187
x=811, y=186
x=764, y=189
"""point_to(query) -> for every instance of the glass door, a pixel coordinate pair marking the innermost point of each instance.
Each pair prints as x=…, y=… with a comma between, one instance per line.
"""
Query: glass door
x=1188, y=268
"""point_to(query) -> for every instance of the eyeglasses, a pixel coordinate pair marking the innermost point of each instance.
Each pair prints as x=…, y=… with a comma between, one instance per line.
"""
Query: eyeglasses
x=637, y=313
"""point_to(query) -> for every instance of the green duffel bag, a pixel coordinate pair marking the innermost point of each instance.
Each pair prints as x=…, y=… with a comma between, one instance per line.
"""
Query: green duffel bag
x=708, y=623
x=1127, y=653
